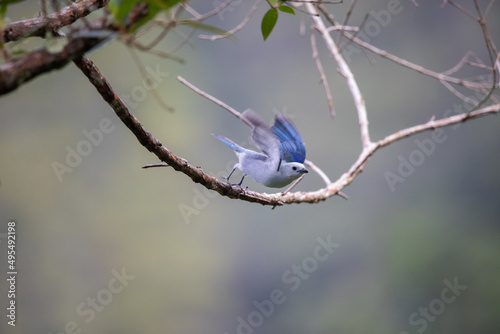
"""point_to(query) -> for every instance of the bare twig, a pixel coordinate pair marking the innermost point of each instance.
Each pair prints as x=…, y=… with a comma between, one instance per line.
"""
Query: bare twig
x=318, y=171
x=293, y=184
x=434, y=124
x=460, y=8
x=346, y=19
x=201, y=17
x=458, y=94
x=146, y=77
x=359, y=102
x=488, y=8
x=215, y=100
x=163, y=164
x=166, y=29
x=235, y=29
x=439, y=76
x=418, y=68
x=492, y=53
x=324, y=81
x=464, y=61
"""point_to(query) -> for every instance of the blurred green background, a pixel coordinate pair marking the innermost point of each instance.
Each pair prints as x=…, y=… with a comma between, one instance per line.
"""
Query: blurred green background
x=113, y=248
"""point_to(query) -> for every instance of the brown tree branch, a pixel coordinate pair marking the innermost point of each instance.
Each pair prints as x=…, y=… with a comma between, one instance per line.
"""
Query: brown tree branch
x=39, y=26
x=21, y=70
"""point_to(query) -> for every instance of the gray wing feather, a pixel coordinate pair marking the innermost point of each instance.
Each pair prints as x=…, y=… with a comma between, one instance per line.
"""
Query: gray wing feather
x=262, y=135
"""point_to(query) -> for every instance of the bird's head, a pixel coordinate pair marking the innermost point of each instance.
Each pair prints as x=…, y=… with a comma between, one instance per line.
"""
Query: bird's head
x=293, y=169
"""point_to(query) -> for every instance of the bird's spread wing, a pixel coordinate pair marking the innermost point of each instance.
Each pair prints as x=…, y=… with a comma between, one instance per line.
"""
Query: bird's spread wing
x=291, y=144
x=263, y=137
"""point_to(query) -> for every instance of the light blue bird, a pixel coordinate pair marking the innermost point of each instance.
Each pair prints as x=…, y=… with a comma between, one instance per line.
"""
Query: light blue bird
x=283, y=152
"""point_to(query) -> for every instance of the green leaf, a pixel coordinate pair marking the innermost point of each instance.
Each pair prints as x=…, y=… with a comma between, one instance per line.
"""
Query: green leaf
x=8, y=2
x=268, y=22
x=121, y=8
x=153, y=9
x=286, y=9
x=164, y=4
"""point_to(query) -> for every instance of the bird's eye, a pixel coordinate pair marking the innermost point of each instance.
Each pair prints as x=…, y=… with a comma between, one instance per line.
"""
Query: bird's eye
x=294, y=168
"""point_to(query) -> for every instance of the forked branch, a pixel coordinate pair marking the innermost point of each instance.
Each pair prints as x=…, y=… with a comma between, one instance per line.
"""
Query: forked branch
x=223, y=188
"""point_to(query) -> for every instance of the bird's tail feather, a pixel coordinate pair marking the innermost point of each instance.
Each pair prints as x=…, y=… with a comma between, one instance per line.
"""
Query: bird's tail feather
x=229, y=142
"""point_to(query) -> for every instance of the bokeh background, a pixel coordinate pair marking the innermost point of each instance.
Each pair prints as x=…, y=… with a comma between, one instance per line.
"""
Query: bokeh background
x=113, y=248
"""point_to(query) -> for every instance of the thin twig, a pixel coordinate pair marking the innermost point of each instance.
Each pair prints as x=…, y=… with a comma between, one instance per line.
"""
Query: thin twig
x=464, y=61
x=488, y=8
x=324, y=81
x=415, y=67
x=146, y=77
x=439, y=76
x=492, y=53
x=293, y=184
x=458, y=94
x=461, y=8
x=201, y=17
x=214, y=100
x=359, y=102
x=346, y=19
x=237, y=28
x=434, y=124
x=318, y=171
x=163, y=164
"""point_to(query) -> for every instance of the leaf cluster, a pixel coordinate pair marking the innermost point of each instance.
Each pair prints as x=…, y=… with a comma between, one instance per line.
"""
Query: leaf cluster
x=271, y=17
